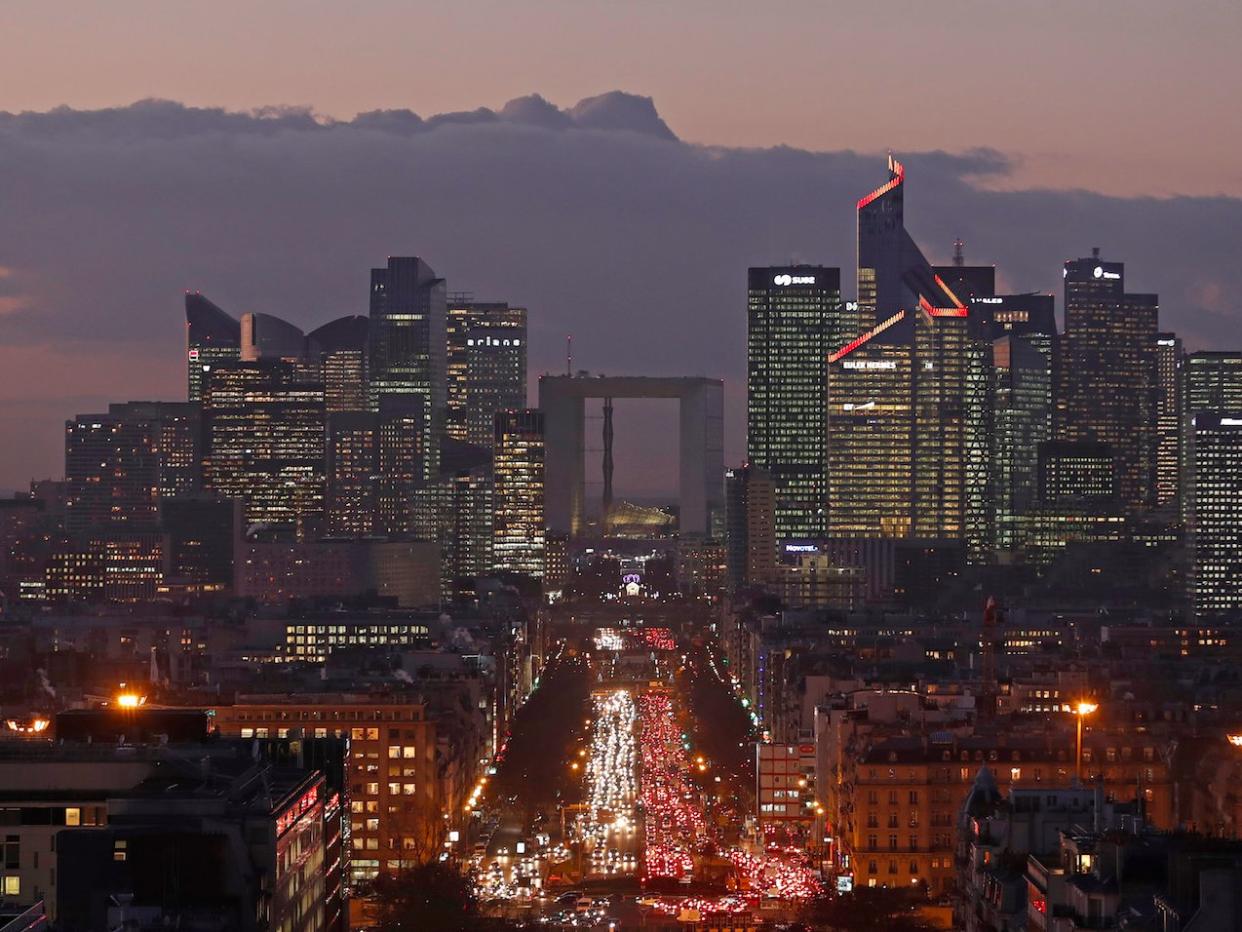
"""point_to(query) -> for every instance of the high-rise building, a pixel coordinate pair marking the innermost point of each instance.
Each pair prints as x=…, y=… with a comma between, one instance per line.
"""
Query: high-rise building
x=518, y=511
x=1108, y=372
x=794, y=318
x=401, y=459
x=341, y=348
x=212, y=338
x=871, y=437
x=486, y=367
x=750, y=527
x=263, y=430
x=408, y=343
x=468, y=543
x=112, y=473
x=907, y=398
x=1169, y=395
x=119, y=465
x=352, y=473
x=1214, y=510
x=1021, y=421
x=265, y=336
x=1213, y=381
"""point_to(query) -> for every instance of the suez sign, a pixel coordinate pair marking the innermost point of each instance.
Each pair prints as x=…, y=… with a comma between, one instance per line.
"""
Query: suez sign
x=1098, y=272
x=785, y=280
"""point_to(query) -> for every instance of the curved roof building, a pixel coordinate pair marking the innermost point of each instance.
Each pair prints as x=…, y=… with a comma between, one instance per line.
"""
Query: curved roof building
x=212, y=336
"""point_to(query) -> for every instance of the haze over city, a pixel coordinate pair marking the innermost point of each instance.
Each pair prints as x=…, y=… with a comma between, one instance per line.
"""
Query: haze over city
x=234, y=163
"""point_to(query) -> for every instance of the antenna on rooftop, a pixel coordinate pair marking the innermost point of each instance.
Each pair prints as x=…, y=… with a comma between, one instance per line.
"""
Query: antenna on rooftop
x=569, y=354
x=959, y=253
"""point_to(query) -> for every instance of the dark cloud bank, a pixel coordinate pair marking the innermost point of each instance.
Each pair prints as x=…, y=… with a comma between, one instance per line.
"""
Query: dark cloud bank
x=597, y=217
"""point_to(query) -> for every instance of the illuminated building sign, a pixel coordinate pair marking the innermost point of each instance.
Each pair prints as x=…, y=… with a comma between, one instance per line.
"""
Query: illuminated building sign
x=869, y=364
x=286, y=819
x=801, y=548
x=793, y=280
x=988, y=300
x=193, y=354
x=1100, y=272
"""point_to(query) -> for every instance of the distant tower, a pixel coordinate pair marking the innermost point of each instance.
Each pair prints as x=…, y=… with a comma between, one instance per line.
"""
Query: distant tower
x=959, y=252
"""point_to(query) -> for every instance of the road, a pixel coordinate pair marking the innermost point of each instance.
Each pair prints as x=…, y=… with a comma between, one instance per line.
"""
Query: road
x=627, y=781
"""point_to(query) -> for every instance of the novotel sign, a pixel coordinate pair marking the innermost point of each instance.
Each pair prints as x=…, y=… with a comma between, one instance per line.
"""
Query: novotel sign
x=793, y=280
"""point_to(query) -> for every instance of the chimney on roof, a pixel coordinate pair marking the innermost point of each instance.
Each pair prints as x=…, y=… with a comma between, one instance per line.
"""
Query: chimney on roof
x=1095, y=252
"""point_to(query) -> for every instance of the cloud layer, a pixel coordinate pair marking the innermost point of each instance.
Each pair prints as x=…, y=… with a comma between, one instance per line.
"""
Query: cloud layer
x=596, y=217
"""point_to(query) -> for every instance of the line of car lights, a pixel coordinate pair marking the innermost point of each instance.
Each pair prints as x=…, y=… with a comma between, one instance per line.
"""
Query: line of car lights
x=611, y=783
x=672, y=821
x=675, y=827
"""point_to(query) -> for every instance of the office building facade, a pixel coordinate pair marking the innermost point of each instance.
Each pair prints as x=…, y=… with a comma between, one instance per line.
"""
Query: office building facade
x=486, y=368
x=263, y=429
x=1108, y=373
x=1214, y=516
x=212, y=337
x=407, y=342
x=119, y=465
x=518, y=511
x=750, y=532
x=794, y=318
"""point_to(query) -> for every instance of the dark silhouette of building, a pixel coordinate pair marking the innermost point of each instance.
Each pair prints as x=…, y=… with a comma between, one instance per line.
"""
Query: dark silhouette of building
x=1107, y=389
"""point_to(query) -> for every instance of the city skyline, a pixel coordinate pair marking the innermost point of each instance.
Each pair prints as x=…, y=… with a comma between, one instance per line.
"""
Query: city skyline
x=484, y=467
x=741, y=206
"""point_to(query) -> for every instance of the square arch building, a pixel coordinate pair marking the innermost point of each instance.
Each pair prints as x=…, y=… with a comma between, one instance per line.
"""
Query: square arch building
x=562, y=399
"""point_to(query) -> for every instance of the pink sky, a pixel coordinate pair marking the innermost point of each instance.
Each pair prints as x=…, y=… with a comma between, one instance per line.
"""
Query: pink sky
x=1121, y=96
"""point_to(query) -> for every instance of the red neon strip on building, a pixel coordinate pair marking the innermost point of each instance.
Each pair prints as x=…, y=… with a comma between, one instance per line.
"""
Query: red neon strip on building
x=957, y=302
x=899, y=175
x=859, y=341
x=941, y=311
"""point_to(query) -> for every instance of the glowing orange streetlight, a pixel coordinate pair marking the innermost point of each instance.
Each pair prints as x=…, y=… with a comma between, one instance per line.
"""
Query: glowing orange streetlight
x=1235, y=740
x=1081, y=710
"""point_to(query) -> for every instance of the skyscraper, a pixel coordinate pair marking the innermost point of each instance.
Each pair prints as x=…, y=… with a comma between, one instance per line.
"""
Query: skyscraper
x=341, y=348
x=871, y=437
x=1213, y=381
x=266, y=336
x=402, y=506
x=408, y=343
x=263, y=429
x=908, y=396
x=1169, y=396
x=1108, y=372
x=750, y=533
x=1021, y=421
x=212, y=337
x=486, y=367
x=352, y=473
x=519, y=525
x=794, y=318
x=119, y=465
x=1214, y=512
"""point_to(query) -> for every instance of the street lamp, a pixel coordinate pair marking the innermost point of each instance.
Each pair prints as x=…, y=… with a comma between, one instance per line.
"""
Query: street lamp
x=1081, y=710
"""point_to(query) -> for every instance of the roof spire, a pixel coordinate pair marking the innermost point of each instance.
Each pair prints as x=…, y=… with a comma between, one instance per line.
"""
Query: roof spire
x=959, y=255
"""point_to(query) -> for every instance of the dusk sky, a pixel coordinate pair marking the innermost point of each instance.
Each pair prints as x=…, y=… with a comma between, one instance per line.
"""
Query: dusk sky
x=1033, y=130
